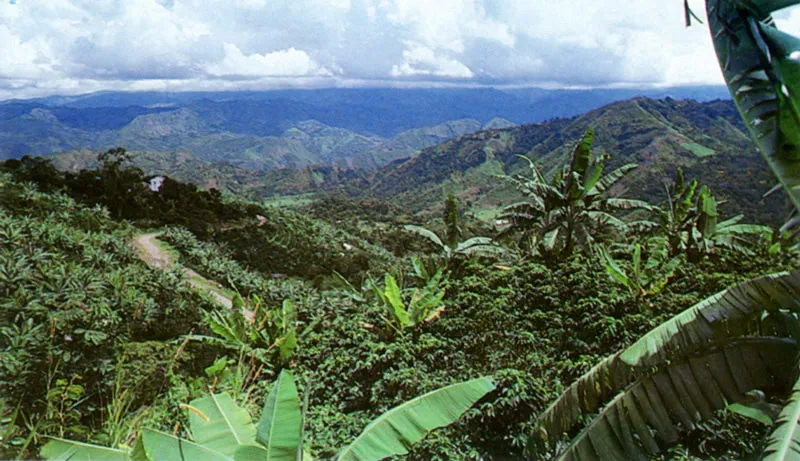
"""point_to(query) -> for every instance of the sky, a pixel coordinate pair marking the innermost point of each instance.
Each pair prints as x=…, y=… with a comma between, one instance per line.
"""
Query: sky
x=81, y=46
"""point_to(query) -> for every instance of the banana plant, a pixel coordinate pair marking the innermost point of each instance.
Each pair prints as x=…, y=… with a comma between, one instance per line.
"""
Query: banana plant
x=223, y=431
x=700, y=361
x=254, y=329
x=571, y=210
x=676, y=221
x=708, y=233
x=390, y=434
x=646, y=275
x=219, y=427
x=690, y=222
x=475, y=246
x=424, y=304
x=760, y=66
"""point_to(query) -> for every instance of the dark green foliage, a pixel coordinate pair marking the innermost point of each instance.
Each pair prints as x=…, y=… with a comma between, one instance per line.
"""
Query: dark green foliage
x=535, y=327
x=73, y=296
x=288, y=243
x=145, y=368
x=121, y=187
x=532, y=327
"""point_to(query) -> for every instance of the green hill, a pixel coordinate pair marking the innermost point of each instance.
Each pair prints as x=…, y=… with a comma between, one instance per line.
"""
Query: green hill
x=707, y=140
x=97, y=345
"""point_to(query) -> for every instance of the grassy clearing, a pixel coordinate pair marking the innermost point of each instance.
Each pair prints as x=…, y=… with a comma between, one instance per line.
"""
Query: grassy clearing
x=698, y=150
x=290, y=201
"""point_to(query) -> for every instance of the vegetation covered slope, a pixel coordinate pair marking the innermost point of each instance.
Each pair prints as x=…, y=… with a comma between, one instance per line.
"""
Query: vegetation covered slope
x=82, y=319
x=707, y=140
x=394, y=321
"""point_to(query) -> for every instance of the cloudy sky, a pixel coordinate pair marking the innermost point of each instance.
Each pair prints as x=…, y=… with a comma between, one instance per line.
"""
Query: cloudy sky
x=79, y=46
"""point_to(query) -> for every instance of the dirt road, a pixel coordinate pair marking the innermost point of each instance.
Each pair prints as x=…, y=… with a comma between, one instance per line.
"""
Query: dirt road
x=156, y=257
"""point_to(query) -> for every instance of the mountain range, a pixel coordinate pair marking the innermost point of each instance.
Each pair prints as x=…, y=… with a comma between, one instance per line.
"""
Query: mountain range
x=355, y=128
x=707, y=140
x=412, y=146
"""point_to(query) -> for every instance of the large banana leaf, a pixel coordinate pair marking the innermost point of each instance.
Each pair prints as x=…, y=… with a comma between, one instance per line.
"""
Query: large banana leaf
x=625, y=204
x=165, y=447
x=719, y=318
x=280, y=425
x=581, y=157
x=762, y=76
x=608, y=181
x=480, y=246
x=395, y=431
x=419, y=230
x=686, y=392
x=225, y=426
x=537, y=189
x=395, y=298
x=784, y=442
x=63, y=450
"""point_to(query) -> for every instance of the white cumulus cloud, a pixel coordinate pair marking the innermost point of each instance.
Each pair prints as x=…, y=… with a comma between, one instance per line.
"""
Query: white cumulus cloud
x=85, y=45
x=283, y=63
x=421, y=60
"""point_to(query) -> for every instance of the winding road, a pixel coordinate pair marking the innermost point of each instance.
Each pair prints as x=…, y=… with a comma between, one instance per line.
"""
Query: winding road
x=155, y=256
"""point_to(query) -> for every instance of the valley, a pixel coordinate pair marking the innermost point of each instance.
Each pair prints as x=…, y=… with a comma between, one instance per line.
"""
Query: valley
x=706, y=139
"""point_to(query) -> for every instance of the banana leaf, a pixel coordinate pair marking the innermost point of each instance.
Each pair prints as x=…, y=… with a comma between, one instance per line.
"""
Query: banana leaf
x=649, y=413
x=279, y=428
x=764, y=80
x=425, y=233
x=608, y=181
x=225, y=426
x=62, y=450
x=395, y=299
x=166, y=447
x=395, y=431
x=717, y=319
x=784, y=442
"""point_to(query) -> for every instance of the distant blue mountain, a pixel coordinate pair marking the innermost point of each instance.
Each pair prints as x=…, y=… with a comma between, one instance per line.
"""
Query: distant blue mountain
x=233, y=120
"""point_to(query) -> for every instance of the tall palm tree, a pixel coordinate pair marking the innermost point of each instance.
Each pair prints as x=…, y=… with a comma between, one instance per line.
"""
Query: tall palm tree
x=573, y=209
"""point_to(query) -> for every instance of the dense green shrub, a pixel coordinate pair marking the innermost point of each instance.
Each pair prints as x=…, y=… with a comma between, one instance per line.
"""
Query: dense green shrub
x=72, y=293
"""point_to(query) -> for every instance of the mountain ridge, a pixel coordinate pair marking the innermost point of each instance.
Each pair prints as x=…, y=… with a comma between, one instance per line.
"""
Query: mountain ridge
x=246, y=128
x=706, y=139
